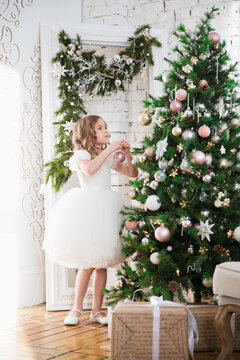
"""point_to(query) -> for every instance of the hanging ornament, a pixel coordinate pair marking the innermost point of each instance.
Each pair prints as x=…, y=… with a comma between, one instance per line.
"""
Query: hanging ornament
x=177, y=131
x=236, y=234
x=149, y=152
x=165, y=78
x=215, y=139
x=238, y=156
x=217, y=203
x=162, y=164
x=214, y=37
x=186, y=223
x=145, y=118
x=154, y=184
x=207, y=178
x=222, y=127
x=160, y=176
x=141, y=224
x=169, y=248
x=181, y=94
x=131, y=224
x=162, y=233
x=154, y=258
x=207, y=281
x=237, y=186
x=145, y=241
x=152, y=203
x=235, y=122
x=205, y=230
x=119, y=156
x=187, y=69
x=184, y=164
x=204, y=131
x=132, y=194
x=198, y=157
x=203, y=86
x=188, y=134
x=190, y=249
x=119, y=284
x=224, y=163
x=161, y=147
x=203, y=196
x=176, y=106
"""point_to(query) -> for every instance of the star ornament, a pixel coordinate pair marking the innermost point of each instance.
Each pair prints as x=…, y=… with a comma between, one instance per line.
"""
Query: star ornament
x=58, y=70
x=205, y=230
x=68, y=126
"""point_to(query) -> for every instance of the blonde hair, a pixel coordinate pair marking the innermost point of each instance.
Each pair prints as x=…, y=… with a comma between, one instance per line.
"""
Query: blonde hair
x=84, y=136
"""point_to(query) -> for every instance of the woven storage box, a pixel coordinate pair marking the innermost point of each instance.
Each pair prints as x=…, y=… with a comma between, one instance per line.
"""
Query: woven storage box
x=132, y=332
x=208, y=338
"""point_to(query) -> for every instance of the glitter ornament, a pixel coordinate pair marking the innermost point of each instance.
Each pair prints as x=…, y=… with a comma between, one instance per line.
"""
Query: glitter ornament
x=119, y=156
x=198, y=157
x=214, y=37
x=177, y=131
x=235, y=122
x=162, y=164
x=215, y=139
x=154, y=258
x=188, y=134
x=149, y=152
x=204, y=131
x=160, y=176
x=154, y=184
x=152, y=203
x=207, y=281
x=181, y=95
x=207, y=178
x=162, y=233
x=132, y=194
x=145, y=118
x=145, y=241
x=203, y=86
x=176, y=106
x=119, y=284
x=236, y=234
x=131, y=224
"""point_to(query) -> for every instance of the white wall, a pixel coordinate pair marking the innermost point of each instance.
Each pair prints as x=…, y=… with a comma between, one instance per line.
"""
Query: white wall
x=19, y=25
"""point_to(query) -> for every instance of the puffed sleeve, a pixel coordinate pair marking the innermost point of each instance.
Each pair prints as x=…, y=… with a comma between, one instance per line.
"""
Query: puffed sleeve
x=78, y=155
x=113, y=163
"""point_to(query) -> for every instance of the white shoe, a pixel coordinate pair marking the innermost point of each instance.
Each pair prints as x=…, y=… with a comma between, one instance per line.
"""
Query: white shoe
x=102, y=320
x=72, y=320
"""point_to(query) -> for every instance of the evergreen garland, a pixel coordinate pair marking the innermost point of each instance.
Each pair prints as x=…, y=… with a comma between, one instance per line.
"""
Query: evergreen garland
x=83, y=72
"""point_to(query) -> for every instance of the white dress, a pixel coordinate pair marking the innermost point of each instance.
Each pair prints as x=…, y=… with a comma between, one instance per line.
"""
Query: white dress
x=83, y=228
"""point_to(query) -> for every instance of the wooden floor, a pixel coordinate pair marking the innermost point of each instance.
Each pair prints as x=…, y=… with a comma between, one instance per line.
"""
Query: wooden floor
x=37, y=334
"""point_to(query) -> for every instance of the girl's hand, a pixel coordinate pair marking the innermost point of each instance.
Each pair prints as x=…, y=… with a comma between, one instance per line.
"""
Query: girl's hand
x=125, y=147
x=115, y=145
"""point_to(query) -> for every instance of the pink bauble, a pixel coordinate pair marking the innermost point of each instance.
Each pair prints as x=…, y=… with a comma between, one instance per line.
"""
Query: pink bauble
x=215, y=37
x=204, y=131
x=119, y=156
x=162, y=233
x=181, y=95
x=149, y=152
x=198, y=157
x=131, y=225
x=176, y=106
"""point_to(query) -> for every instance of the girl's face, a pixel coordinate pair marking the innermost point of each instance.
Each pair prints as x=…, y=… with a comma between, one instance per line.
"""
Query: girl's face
x=102, y=133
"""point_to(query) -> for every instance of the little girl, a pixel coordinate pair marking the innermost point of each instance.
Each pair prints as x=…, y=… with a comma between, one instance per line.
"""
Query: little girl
x=83, y=230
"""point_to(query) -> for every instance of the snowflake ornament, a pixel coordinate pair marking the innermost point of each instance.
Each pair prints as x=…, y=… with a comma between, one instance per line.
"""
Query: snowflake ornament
x=68, y=127
x=205, y=230
x=58, y=70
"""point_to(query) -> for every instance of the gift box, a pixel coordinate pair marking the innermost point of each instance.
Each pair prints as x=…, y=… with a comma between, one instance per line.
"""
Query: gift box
x=132, y=332
x=208, y=338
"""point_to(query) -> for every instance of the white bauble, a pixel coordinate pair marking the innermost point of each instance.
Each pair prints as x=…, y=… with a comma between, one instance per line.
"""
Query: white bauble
x=238, y=156
x=119, y=284
x=188, y=134
x=165, y=78
x=145, y=241
x=154, y=258
x=236, y=234
x=218, y=203
x=152, y=202
x=207, y=178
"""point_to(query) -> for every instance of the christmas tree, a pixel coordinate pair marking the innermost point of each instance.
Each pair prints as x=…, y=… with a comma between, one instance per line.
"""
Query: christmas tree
x=186, y=220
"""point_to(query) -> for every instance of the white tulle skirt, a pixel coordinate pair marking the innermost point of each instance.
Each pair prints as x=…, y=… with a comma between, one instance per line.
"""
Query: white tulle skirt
x=83, y=229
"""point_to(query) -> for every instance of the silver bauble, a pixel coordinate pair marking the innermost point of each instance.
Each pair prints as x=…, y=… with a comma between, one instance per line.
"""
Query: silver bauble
x=205, y=213
x=154, y=258
x=145, y=241
x=237, y=186
x=165, y=78
x=238, y=166
x=162, y=164
x=132, y=194
x=207, y=178
x=153, y=184
x=186, y=224
x=188, y=134
x=235, y=122
x=141, y=223
x=236, y=234
x=238, y=156
x=222, y=127
x=119, y=284
x=215, y=139
x=169, y=248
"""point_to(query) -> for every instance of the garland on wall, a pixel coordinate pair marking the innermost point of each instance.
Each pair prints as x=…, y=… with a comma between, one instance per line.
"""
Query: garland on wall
x=83, y=72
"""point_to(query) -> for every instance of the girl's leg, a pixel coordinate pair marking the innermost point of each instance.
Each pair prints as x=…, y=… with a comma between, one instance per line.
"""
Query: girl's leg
x=99, y=282
x=81, y=286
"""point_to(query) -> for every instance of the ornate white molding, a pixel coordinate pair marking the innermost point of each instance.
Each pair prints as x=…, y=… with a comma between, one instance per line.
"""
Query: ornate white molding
x=11, y=10
x=9, y=51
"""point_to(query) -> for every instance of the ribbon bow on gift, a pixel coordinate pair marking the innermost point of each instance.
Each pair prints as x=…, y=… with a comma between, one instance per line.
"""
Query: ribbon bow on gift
x=157, y=303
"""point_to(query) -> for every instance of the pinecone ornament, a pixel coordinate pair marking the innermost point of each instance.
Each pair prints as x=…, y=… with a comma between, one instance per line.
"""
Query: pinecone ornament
x=203, y=86
x=173, y=286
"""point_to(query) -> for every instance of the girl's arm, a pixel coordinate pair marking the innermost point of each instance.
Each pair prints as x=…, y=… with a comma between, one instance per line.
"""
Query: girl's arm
x=129, y=169
x=90, y=167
